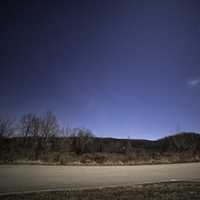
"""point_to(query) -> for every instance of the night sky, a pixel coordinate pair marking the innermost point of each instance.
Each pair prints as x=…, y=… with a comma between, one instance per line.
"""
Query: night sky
x=118, y=67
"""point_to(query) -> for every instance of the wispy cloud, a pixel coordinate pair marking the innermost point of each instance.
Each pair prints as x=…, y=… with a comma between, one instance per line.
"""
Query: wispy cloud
x=194, y=82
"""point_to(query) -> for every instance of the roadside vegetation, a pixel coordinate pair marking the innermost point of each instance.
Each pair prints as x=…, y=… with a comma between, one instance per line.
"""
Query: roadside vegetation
x=40, y=140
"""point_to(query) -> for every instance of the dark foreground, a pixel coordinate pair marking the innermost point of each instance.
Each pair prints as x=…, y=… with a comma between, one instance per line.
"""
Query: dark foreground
x=159, y=191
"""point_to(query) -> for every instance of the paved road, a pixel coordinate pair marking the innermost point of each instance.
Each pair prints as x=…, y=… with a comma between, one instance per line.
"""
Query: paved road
x=21, y=178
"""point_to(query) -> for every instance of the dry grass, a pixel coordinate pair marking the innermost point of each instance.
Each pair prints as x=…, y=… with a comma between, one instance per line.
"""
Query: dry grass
x=159, y=191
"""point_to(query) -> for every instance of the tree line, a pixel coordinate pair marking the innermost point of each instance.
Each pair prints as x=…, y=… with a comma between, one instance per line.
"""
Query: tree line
x=38, y=134
x=34, y=126
x=35, y=137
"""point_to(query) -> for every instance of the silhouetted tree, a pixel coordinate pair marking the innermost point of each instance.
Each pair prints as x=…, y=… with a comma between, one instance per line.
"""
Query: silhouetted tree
x=49, y=130
x=82, y=137
x=50, y=127
x=6, y=128
x=30, y=129
x=30, y=126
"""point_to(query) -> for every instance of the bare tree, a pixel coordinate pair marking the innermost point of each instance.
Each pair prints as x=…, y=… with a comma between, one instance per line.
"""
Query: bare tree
x=30, y=129
x=82, y=137
x=50, y=127
x=6, y=128
x=30, y=126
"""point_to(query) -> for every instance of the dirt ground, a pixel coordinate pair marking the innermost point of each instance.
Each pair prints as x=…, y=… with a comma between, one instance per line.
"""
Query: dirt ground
x=24, y=178
x=159, y=191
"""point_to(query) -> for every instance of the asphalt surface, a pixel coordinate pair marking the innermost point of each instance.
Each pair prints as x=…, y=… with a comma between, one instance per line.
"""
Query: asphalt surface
x=30, y=178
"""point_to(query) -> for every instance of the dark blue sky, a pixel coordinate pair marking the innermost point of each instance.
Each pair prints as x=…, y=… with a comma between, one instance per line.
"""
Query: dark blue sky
x=121, y=68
